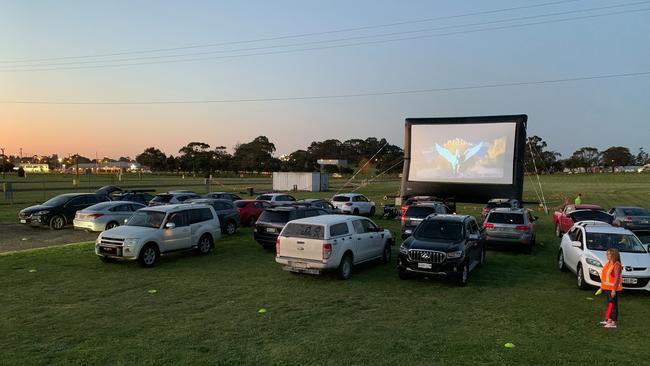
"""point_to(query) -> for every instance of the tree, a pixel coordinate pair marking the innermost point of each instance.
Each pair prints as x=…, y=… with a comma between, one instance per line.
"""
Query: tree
x=124, y=159
x=328, y=149
x=389, y=159
x=256, y=155
x=585, y=157
x=299, y=161
x=642, y=157
x=171, y=163
x=153, y=158
x=617, y=156
x=544, y=160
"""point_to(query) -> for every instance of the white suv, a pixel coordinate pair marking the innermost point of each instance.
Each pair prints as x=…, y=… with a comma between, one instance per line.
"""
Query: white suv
x=158, y=230
x=277, y=199
x=336, y=242
x=354, y=203
x=583, y=252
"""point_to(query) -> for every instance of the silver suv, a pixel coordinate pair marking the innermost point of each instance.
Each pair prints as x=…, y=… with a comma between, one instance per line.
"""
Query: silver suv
x=155, y=231
x=515, y=226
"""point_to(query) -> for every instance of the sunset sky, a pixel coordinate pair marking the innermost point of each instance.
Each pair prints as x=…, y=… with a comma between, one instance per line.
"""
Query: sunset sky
x=600, y=113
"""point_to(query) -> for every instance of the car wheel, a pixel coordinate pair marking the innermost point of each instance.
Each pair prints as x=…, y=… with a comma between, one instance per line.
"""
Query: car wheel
x=558, y=232
x=560, y=262
x=107, y=259
x=252, y=220
x=580, y=278
x=463, y=276
x=355, y=212
x=372, y=211
x=231, y=227
x=385, y=255
x=57, y=222
x=149, y=256
x=345, y=267
x=402, y=274
x=111, y=225
x=205, y=245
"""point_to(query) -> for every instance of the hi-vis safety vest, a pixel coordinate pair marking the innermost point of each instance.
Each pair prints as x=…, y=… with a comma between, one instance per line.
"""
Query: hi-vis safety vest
x=607, y=278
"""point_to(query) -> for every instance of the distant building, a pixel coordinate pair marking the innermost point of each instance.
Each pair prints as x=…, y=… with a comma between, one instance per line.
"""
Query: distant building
x=341, y=163
x=35, y=168
x=109, y=167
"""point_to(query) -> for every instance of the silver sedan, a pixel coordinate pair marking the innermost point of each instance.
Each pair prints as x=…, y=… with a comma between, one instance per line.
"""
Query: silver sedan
x=105, y=215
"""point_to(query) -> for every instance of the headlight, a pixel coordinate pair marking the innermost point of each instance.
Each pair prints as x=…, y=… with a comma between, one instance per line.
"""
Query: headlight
x=130, y=241
x=456, y=254
x=403, y=249
x=39, y=213
x=593, y=262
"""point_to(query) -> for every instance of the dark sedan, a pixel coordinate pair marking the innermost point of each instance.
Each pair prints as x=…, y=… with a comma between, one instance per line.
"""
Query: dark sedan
x=631, y=218
x=444, y=245
x=60, y=210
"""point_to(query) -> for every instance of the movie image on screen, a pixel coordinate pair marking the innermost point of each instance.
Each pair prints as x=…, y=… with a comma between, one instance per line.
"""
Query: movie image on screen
x=480, y=153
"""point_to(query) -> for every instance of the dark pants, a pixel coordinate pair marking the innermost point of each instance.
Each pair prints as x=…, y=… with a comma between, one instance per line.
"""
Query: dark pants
x=612, y=306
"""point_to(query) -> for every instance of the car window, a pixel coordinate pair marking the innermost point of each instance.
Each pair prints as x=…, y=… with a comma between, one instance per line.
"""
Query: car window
x=339, y=229
x=77, y=201
x=178, y=218
x=311, y=213
x=265, y=197
x=505, y=218
x=358, y=226
x=341, y=199
x=430, y=230
x=328, y=205
x=579, y=236
x=363, y=199
x=135, y=207
x=625, y=243
x=473, y=227
x=419, y=212
x=635, y=211
x=304, y=231
x=275, y=216
x=183, y=198
x=288, y=198
x=572, y=234
x=368, y=226
x=122, y=208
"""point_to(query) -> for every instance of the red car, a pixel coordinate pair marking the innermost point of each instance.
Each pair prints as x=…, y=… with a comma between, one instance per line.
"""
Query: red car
x=564, y=220
x=250, y=210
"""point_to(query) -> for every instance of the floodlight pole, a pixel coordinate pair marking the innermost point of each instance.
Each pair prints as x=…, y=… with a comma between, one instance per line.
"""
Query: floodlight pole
x=3, y=162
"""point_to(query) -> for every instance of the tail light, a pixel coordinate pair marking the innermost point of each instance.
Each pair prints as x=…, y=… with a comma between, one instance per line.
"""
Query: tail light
x=628, y=219
x=94, y=216
x=327, y=251
x=488, y=225
x=277, y=247
x=522, y=227
x=404, y=208
x=348, y=204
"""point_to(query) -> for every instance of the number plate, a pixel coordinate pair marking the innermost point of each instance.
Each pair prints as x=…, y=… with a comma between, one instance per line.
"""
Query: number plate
x=629, y=281
x=425, y=265
x=108, y=250
x=270, y=230
x=23, y=221
x=298, y=265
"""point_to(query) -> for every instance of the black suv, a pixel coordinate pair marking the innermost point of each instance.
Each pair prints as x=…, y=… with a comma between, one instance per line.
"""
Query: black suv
x=419, y=211
x=272, y=221
x=443, y=245
x=226, y=211
x=60, y=210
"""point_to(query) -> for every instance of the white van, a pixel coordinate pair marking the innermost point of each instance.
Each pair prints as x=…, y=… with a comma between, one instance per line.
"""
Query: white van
x=335, y=242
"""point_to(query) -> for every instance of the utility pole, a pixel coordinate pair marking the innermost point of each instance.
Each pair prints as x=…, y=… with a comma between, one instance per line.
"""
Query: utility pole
x=3, y=162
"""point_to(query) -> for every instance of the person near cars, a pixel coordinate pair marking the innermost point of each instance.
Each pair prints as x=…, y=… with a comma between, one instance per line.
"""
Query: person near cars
x=612, y=284
x=578, y=200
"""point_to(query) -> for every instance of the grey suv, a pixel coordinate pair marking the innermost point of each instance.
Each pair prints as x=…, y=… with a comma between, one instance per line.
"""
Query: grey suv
x=511, y=226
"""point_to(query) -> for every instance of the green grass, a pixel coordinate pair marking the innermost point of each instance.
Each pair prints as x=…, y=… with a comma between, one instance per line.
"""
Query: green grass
x=77, y=310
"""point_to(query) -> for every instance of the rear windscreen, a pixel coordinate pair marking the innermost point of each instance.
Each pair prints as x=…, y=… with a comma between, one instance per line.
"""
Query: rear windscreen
x=506, y=218
x=240, y=204
x=341, y=199
x=419, y=212
x=304, y=231
x=635, y=211
x=274, y=216
x=265, y=198
x=162, y=198
x=439, y=230
x=578, y=216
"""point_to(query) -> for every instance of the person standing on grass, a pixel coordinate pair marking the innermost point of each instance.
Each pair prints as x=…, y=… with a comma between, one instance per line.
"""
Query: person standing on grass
x=578, y=199
x=611, y=282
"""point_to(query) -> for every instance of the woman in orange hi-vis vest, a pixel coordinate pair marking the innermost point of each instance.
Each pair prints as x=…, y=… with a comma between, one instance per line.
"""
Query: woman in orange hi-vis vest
x=611, y=283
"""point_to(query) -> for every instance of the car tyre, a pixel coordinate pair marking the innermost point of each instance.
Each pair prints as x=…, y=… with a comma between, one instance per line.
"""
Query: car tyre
x=231, y=227
x=372, y=211
x=149, y=256
x=355, y=212
x=205, y=245
x=386, y=254
x=560, y=262
x=580, y=279
x=57, y=222
x=402, y=274
x=345, y=267
x=463, y=276
x=111, y=225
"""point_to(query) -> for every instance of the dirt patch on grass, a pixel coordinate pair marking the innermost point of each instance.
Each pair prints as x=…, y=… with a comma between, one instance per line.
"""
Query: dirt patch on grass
x=18, y=237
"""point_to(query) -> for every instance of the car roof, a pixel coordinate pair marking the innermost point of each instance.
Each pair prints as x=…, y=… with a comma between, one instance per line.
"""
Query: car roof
x=326, y=219
x=501, y=200
x=312, y=200
x=602, y=227
x=427, y=204
x=207, y=199
x=348, y=194
x=448, y=217
x=173, y=208
x=77, y=194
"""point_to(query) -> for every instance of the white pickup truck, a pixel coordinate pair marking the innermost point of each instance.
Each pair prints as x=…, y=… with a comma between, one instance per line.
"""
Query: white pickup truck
x=331, y=242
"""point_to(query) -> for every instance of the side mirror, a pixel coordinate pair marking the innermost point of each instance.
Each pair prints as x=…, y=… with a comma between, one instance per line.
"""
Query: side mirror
x=170, y=225
x=576, y=244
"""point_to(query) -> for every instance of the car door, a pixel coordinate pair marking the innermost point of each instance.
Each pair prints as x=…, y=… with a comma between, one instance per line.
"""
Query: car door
x=374, y=239
x=470, y=245
x=359, y=241
x=122, y=212
x=220, y=209
x=74, y=205
x=197, y=220
x=474, y=244
x=572, y=256
x=179, y=237
x=364, y=204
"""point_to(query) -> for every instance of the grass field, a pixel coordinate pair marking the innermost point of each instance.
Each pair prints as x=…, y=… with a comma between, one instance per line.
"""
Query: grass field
x=76, y=310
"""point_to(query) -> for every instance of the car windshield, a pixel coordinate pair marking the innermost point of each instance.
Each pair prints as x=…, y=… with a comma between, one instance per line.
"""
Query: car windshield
x=591, y=215
x=146, y=218
x=419, y=212
x=439, y=230
x=644, y=237
x=625, y=243
x=265, y=197
x=341, y=199
x=304, y=231
x=635, y=211
x=275, y=216
x=505, y=218
x=57, y=201
x=240, y=204
x=162, y=198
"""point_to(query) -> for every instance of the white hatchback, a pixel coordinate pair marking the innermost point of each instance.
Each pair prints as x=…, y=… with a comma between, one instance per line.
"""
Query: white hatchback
x=277, y=199
x=154, y=231
x=334, y=242
x=583, y=251
x=353, y=203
